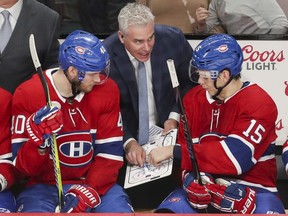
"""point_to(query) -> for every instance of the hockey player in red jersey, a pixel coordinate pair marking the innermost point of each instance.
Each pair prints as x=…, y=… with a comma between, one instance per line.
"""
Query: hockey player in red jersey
x=8, y=173
x=232, y=124
x=88, y=130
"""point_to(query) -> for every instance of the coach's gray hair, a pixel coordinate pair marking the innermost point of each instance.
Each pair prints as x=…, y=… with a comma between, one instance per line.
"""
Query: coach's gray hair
x=134, y=14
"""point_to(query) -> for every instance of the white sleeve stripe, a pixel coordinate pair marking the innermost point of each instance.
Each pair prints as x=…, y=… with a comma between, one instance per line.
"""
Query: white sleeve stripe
x=111, y=157
x=3, y=182
x=239, y=181
x=14, y=161
x=6, y=162
x=111, y=139
x=285, y=149
x=231, y=157
x=5, y=156
x=267, y=157
x=19, y=140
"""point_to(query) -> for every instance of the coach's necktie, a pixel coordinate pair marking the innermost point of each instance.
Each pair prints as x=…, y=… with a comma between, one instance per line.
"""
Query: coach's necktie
x=5, y=31
x=143, y=134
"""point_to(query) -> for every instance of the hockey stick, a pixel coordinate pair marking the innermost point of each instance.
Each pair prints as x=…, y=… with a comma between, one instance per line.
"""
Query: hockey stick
x=188, y=137
x=54, y=147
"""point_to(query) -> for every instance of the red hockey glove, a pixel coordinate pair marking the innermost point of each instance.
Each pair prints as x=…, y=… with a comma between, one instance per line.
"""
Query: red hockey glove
x=80, y=198
x=232, y=197
x=42, y=124
x=198, y=195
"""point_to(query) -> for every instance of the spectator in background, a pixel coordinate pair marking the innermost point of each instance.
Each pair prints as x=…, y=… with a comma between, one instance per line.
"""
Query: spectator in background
x=8, y=173
x=100, y=16
x=242, y=17
x=27, y=17
x=284, y=5
x=139, y=42
x=178, y=13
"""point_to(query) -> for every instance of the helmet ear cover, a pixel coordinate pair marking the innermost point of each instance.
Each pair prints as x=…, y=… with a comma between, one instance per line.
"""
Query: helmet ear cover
x=85, y=52
x=215, y=54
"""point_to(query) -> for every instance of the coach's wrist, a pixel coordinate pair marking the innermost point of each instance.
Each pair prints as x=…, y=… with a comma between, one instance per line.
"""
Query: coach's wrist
x=130, y=145
x=127, y=143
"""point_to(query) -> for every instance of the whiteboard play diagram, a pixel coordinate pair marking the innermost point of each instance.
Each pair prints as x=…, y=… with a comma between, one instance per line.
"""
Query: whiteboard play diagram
x=136, y=175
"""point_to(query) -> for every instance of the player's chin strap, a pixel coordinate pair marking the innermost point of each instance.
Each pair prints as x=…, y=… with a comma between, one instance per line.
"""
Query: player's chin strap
x=219, y=89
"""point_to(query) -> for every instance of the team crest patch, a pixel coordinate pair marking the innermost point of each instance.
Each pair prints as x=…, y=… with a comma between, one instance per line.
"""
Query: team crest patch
x=222, y=48
x=80, y=49
x=75, y=149
x=174, y=199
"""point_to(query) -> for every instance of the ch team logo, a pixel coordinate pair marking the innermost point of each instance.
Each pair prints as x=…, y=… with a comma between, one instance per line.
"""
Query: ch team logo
x=80, y=49
x=75, y=149
x=174, y=199
x=222, y=48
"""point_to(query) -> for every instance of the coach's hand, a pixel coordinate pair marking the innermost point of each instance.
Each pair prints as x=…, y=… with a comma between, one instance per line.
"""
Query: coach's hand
x=42, y=124
x=232, y=197
x=135, y=154
x=80, y=198
x=198, y=195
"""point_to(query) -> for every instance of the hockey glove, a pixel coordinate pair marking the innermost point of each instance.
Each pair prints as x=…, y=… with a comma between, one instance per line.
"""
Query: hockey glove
x=80, y=198
x=42, y=124
x=232, y=197
x=198, y=195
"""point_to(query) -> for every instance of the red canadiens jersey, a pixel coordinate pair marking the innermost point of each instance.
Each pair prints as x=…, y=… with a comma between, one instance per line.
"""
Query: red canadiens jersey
x=235, y=138
x=6, y=167
x=89, y=144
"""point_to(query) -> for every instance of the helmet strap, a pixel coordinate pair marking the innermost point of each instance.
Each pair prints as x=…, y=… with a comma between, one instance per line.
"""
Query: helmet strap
x=219, y=89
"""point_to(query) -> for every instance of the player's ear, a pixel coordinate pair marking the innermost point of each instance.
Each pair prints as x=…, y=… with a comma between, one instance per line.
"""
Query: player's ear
x=225, y=74
x=121, y=37
x=72, y=72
